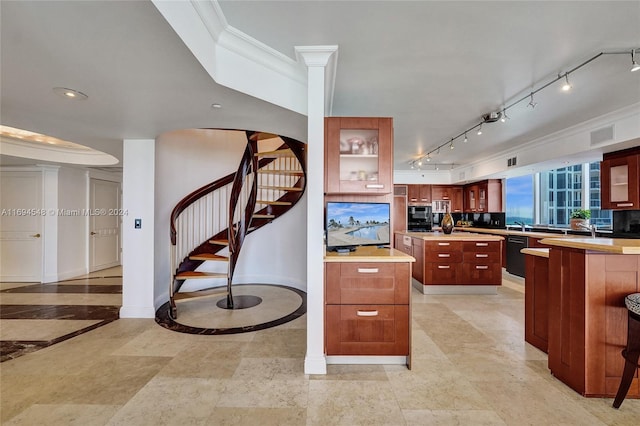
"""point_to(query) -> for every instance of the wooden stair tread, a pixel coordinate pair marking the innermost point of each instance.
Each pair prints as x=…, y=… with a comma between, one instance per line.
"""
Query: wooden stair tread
x=219, y=242
x=209, y=256
x=277, y=153
x=191, y=275
x=260, y=136
x=281, y=188
x=282, y=172
x=207, y=292
x=274, y=203
x=264, y=216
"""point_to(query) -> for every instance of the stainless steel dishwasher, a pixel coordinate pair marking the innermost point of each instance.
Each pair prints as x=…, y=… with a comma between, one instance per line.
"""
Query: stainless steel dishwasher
x=515, y=259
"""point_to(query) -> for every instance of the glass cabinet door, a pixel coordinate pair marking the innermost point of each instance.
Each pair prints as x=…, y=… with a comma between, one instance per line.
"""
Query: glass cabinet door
x=359, y=155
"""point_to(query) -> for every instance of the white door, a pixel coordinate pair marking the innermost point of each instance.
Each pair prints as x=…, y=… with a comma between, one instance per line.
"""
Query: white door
x=21, y=226
x=104, y=224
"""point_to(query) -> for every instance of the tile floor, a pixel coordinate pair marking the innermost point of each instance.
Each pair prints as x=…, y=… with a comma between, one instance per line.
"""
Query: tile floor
x=470, y=367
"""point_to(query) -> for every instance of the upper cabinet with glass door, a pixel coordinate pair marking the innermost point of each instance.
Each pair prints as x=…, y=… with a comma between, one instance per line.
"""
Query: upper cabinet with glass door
x=619, y=175
x=358, y=155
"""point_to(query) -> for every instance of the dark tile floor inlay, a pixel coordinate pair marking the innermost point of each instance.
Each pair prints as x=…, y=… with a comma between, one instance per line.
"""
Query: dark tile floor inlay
x=163, y=318
x=67, y=289
x=240, y=302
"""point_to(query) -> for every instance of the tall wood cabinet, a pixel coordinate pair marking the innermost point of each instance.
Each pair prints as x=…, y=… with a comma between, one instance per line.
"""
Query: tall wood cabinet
x=452, y=193
x=483, y=197
x=358, y=155
x=620, y=175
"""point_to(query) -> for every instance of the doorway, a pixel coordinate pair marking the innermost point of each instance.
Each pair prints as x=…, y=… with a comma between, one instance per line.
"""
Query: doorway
x=104, y=224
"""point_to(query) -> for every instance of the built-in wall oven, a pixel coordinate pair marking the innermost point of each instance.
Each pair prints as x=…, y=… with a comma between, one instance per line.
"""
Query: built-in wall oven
x=419, y=218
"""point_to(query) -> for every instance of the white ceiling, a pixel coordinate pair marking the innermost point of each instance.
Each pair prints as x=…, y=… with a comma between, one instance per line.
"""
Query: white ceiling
x=435, y=67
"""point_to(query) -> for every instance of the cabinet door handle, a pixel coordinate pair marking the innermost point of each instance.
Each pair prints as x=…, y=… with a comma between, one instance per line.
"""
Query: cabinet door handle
x=443, y=244
x=444, y=255
x=482, y=255
x=367, y=313
x=624, y=204
x=482, y=244
x=374, y=186
x=368, y=270
x=443, y=266
x=35, y=235
x=482, y=267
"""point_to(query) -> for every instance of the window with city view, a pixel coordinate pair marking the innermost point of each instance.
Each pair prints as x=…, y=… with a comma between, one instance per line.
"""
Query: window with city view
x=561, y=191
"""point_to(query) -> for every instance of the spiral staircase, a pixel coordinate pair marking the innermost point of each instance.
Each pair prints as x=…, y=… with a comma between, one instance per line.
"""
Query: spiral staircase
x=208, y=227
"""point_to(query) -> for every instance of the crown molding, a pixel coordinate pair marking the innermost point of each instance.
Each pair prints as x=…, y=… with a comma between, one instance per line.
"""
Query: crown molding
x=236, y=60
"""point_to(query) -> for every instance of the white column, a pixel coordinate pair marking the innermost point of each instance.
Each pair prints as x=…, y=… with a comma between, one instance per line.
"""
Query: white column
x=316, y=58
x=50, y=224
x=138, y=181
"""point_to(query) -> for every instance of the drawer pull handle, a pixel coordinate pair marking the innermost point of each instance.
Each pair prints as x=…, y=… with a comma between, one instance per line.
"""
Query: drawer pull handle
x=368, y=270
x=443, y=244
x=482, y=255
x=374, y=186
x=482, y=267
x=482, y=244
x=444, y=255
x=443, y=266
x=367, y=313
x=624, y=204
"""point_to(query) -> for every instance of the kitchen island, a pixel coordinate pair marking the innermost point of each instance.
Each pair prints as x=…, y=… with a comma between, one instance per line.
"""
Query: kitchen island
x=456, y=263
x=588, y=281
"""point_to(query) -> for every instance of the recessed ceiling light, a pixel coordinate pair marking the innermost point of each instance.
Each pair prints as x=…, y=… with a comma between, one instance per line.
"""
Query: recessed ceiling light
x=70, y=93
x=216, y=106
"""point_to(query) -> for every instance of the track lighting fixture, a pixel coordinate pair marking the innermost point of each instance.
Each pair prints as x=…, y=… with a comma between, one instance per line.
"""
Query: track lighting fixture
x=501, y=114
x=634, y=64
x=566, y=86
x=420, y=163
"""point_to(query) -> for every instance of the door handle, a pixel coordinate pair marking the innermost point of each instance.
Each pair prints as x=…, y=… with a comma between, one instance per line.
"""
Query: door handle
x=36, y=235
x=93, y=233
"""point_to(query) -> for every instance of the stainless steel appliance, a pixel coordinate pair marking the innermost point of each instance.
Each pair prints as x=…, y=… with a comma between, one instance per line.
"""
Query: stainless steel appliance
x=419, y=218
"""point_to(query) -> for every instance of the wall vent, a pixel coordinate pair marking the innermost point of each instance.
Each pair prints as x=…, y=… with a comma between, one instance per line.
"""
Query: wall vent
x=604, y=134
x=512, y=161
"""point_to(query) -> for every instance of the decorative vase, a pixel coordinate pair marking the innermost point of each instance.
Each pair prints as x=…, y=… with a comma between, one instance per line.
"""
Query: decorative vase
x=447, y=223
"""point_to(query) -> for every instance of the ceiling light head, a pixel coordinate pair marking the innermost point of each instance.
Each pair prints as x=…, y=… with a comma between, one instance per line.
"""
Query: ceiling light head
x=504, y=117
x=451, y=144
x=566, y=86
x=70, y=93
x=216, y=106
x=428, y=158
x=466, y=139
x=532, y=104
x=634, y=65
x=479, y=132
x=419, y=163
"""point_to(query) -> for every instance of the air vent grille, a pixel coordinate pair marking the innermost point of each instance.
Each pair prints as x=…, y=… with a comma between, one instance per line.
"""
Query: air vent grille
x=604, y=134
x=512, y=161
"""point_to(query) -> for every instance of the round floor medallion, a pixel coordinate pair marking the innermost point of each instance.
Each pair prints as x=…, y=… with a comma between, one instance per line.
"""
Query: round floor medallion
x=240, y=302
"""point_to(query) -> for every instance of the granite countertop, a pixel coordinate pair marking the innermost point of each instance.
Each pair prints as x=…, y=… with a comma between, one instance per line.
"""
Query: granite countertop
x=369, y=254
x=454, y=236
x=540, y=252
x=607, y=245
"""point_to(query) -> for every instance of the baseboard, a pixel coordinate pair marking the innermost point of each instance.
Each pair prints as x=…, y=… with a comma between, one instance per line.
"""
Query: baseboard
x=137, y=312
x=72, y=274
x=315, y=365
x=366, y=359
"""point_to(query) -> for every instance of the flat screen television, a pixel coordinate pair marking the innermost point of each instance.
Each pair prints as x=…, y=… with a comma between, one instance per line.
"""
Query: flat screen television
x=350, y=224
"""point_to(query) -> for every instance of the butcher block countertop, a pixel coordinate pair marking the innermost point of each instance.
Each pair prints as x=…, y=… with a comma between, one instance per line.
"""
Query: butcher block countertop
x=540, y=252
x=454, y=236
x=606, y=245
x=369, y=254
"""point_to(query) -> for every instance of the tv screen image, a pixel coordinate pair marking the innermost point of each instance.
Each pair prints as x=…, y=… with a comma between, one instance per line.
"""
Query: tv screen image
x=356, y=224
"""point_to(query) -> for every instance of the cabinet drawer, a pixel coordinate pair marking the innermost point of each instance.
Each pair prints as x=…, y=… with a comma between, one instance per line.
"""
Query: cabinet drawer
x=444, y=256
x=482, y=246
x=441, y=273
x=367, y=330
x=442, y=246
x=482, y=257
x=486, y=274
x=367, y=283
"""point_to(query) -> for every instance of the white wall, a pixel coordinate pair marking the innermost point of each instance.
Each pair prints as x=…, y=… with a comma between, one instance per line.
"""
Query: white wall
x=189, y=159
x=72, y=230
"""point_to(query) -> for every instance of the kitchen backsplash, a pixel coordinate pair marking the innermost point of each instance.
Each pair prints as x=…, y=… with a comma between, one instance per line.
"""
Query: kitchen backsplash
x=480, y=220
x=626, y=223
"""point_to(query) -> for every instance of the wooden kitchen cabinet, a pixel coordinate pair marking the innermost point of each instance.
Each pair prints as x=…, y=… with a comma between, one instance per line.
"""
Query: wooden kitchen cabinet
x=483, y=197
x=619, y=176
x=367, y=308
x=358, y=155
x=419, y=194
x=399, y=209
x=451, y=193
